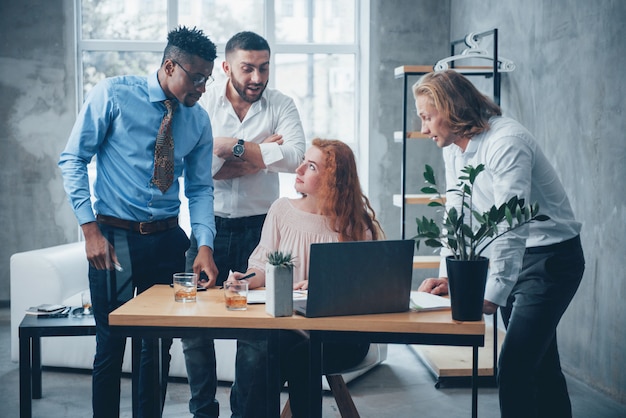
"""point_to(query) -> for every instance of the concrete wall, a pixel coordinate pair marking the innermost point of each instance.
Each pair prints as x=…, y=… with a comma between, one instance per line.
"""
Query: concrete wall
x=567, y=89
x=37, y=111
x=401, y=34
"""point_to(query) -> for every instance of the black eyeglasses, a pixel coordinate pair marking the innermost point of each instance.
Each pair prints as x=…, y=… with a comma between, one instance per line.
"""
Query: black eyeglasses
x=195, y=79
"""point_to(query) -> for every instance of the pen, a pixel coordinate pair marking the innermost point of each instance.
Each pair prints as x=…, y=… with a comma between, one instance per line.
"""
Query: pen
x=247, y=276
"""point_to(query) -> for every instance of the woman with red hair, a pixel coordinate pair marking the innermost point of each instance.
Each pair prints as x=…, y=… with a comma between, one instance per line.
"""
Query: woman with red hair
x=332, y=208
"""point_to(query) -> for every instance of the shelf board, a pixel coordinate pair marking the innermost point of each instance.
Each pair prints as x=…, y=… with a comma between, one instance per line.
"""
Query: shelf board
x=444, y=361
x=415, y=199
x=397, y=135
x=412, y=70
x=426, y=261
x=405, y=70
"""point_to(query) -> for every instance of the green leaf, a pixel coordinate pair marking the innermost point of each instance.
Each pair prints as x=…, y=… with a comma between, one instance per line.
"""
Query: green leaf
x=435, y=243
x=508, y=215
x=281, y=259
x=479, y=217
x=519, y=215
x=429, y=175
x=467, y=231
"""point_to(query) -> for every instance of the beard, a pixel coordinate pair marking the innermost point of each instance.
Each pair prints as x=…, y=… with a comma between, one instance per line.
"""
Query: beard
x=241, y=90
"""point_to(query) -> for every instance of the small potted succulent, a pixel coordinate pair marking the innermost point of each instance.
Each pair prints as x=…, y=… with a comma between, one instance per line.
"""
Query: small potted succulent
x=467, y=233
x=279, y=283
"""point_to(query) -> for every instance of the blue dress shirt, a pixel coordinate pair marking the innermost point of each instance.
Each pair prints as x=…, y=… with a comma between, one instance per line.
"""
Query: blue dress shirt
x=118, y=124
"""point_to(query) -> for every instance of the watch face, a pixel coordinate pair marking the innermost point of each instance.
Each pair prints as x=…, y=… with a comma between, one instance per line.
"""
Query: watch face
x=238, y=150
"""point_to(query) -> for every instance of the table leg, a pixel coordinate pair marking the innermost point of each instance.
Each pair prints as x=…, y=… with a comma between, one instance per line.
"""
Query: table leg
x=135, y=362
x=315, y=375
x=475, y=381
x=25, y=377
x=273, y=374
x=157, y=375
x=36, y=367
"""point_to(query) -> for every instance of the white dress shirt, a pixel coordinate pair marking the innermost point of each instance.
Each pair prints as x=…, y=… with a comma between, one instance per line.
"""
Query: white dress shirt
x=274, y=113
x=514, y=166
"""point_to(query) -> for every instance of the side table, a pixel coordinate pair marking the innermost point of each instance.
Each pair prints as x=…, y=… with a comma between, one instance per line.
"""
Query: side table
x=31, y=330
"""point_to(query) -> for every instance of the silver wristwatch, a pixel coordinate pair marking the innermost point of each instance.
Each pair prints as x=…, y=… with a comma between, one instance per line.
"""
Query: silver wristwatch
x=239, y=149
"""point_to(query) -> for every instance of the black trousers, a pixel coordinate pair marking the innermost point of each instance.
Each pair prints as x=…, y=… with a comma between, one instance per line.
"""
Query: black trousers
x=531, y=383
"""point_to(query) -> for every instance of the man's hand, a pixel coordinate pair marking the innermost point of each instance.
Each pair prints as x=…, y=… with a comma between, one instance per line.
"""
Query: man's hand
x=223, y=147
x=204, y=263
x=435, y=286
x=274, y=138
x=489, y=307
x=100, y=253
x=250, y=163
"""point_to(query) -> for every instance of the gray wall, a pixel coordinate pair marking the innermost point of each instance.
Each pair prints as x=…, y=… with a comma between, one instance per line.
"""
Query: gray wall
x=566, y=88
x=37, y=110
x=569, y=90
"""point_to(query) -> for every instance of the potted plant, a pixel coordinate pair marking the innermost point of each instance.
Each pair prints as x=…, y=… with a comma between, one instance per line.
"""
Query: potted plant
x=467, y=233
x=279, y=283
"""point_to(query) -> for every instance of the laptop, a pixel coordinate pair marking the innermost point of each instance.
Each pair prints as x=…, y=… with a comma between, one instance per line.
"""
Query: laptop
x=358, y=278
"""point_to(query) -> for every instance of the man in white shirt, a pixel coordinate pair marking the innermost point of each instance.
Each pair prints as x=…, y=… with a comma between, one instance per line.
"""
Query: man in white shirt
x=535, y=270
x=257, y=134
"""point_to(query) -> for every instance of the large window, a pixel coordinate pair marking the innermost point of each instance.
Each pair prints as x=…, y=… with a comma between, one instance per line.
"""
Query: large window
x=316, y=53
x=315, y=50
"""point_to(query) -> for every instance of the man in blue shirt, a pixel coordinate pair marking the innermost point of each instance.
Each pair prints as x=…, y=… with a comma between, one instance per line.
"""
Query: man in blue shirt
x=132, y=236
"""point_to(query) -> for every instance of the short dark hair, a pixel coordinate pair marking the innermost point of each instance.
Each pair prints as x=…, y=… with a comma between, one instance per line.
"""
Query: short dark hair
x=182, y=43
x=247, y=41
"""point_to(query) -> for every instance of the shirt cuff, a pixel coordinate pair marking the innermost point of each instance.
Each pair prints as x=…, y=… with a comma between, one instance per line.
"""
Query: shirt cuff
x=271, y=153
x=497, y=291
x=85, y=215
x=216, y=165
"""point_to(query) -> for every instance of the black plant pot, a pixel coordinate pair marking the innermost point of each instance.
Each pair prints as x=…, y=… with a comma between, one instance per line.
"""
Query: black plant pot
x=466, y=283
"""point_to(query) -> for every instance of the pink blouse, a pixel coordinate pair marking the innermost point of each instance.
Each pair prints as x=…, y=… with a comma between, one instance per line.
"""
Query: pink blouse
x=288, y=229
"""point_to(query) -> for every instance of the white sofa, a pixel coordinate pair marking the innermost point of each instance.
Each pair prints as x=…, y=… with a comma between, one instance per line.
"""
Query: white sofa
x=59, y=274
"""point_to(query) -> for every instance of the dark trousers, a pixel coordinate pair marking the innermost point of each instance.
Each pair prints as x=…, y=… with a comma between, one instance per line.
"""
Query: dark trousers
x=248, y=397
x=235, y=240
x=530, y=380
x=146, y=260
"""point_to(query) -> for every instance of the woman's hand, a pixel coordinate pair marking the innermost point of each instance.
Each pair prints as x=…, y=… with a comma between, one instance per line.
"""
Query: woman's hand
x=303, y=285
x=254, y=280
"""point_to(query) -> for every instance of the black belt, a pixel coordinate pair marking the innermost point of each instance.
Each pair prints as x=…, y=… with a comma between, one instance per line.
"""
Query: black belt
x=567, y=245
x=143, y=228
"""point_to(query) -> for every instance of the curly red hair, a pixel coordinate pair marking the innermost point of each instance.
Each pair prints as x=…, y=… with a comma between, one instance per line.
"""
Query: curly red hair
x=348, y=210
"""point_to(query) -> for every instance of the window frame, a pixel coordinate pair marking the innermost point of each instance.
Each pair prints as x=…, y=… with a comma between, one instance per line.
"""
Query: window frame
x=359, y=49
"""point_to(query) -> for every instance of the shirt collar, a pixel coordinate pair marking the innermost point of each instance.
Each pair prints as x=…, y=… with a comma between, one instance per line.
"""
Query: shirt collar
x=155, y=91
x=472, y=145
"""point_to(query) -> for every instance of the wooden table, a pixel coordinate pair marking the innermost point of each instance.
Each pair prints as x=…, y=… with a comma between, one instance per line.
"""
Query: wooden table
x=154, y=314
